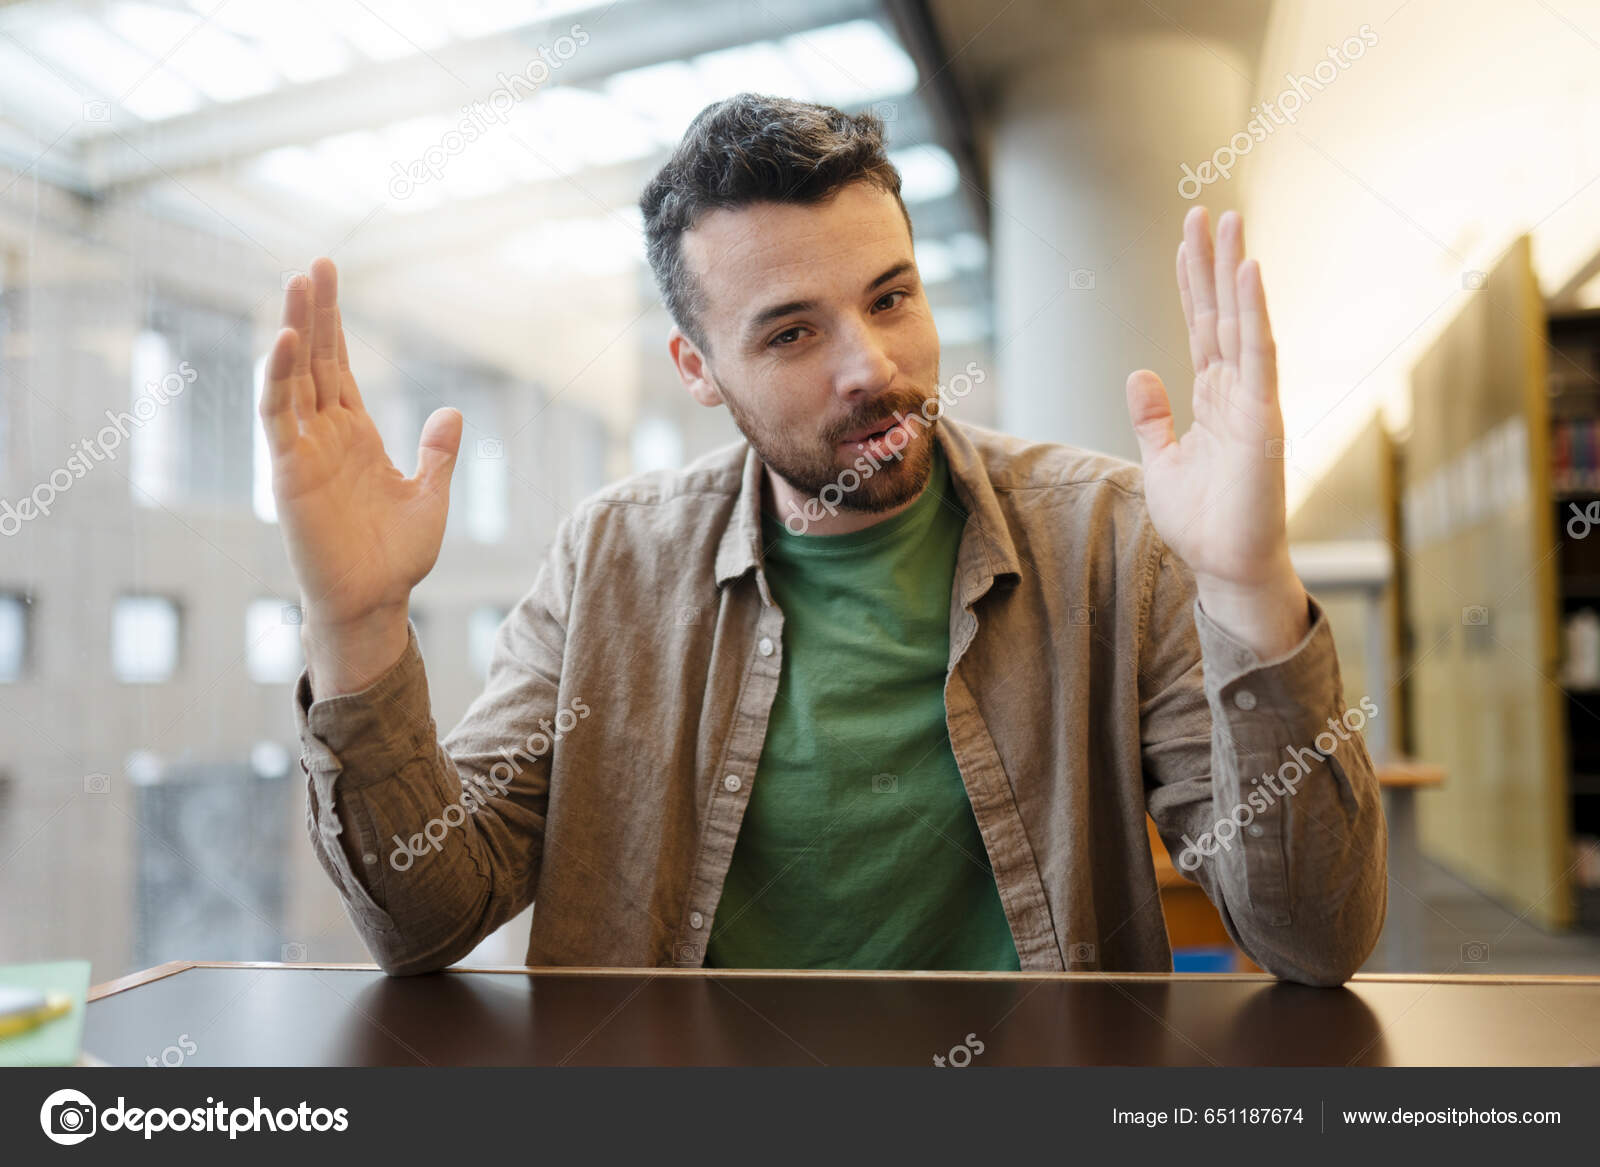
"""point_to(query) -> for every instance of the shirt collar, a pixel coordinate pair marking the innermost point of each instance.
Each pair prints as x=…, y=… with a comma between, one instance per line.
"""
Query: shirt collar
x=987, y=549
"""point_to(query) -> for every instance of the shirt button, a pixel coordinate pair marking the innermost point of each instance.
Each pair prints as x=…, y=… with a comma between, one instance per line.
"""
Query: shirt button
x=764, y=646
x=732, y=783
x=696, y=920
x=1245, y=700
x=369, y=857
x=1256, y=830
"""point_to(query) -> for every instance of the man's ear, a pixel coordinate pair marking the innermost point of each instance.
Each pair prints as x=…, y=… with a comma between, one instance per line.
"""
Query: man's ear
x=692, y=370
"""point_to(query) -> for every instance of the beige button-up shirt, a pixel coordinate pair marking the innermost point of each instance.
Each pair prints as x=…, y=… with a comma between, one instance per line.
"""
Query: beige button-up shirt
x=603, y=772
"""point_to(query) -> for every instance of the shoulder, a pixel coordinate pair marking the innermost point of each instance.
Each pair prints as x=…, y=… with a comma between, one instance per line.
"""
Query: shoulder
x=1025, y=473
x=674, y=505
x=1071, y=513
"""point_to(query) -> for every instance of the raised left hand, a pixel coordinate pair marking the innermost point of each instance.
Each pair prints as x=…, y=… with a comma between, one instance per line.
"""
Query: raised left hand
x=1216, y=495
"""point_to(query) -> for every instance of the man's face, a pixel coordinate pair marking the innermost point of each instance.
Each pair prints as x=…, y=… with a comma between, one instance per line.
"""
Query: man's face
x=819, y=332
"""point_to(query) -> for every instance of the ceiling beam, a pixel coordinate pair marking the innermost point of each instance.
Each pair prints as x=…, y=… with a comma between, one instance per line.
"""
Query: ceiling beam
x=592, y=192
x=454, y=75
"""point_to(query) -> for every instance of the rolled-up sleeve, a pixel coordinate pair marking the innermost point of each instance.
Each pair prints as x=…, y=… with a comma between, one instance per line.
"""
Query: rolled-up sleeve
x=1261, y=786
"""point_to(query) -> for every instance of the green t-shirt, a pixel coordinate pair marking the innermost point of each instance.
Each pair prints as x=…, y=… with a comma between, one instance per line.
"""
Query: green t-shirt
x=859, y=848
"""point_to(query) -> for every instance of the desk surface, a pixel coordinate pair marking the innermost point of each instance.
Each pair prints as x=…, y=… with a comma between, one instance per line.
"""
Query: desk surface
x=354, y=1015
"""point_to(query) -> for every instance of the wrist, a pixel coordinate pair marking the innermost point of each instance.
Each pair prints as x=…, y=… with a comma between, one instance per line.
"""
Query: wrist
x=1269, y=615
x=345, y=655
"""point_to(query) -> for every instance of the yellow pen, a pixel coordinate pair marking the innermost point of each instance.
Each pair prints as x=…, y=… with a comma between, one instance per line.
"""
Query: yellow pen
x=23, y=1009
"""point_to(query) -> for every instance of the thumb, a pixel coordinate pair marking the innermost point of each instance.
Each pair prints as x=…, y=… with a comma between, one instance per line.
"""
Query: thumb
x=436, y=453
x=1150, y=413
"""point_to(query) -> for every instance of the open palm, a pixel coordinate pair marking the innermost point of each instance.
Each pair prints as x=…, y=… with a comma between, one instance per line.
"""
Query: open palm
x=360, y=534
x=1216, y=495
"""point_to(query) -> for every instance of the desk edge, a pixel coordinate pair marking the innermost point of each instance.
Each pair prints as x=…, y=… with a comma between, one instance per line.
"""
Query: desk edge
x=134, y=980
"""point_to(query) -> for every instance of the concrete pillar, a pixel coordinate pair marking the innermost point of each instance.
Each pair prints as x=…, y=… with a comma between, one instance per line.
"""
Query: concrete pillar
x=1085, y=164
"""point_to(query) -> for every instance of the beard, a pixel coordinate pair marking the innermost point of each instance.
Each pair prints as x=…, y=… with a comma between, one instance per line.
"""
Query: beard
x=812, y=462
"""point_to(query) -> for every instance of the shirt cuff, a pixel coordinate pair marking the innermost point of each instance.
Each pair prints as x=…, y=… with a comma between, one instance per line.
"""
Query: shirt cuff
x=1305, y=674
x=367, y=735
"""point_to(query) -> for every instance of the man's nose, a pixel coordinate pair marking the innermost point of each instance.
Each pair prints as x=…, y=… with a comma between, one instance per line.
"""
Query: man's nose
x=864, y=367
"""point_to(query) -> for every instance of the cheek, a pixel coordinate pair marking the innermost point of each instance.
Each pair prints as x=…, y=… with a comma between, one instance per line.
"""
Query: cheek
x=792, y=400
x=918, y=348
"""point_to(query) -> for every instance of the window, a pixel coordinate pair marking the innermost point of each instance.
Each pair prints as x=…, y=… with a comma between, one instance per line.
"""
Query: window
x=153, y=424
x=191, y=416
x=261, y=498
x=484, y=472
x=488, y=475
x=7, y=327
x=144, y=639
x=657, y=445
x=272, y=641
x=14, y=632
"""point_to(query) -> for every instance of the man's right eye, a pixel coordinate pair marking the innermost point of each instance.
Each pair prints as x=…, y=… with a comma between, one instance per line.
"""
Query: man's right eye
x=792, y=335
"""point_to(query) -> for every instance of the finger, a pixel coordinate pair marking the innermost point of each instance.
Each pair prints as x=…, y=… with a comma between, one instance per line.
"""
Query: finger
x=338, y=330
x=1258, y=358
x=1202, y=282
x=1230, y=250
x=297, y=296
x=349, y=395
x=277, y=394
x=436, y=453
x=1151, y=414
x=325, y=331
x=1196, y=356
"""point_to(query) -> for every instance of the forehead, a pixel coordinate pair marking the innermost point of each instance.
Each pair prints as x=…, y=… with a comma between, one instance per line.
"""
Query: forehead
x=769, y=252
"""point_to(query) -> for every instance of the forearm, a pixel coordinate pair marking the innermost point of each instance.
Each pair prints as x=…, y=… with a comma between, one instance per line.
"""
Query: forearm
x=1297, y=835
x=416, y=908
x=426, y=864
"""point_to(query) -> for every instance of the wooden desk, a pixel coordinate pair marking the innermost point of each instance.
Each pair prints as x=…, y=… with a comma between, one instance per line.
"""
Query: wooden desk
x=342, y=1015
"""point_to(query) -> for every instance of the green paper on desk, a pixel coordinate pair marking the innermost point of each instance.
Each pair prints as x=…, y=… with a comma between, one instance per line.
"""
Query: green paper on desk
x=56, y=1042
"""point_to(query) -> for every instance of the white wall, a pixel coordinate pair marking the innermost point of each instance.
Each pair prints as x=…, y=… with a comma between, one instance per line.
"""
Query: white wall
x=1468, y=123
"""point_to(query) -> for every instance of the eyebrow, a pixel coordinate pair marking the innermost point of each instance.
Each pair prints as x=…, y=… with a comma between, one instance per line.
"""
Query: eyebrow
x=767, y=315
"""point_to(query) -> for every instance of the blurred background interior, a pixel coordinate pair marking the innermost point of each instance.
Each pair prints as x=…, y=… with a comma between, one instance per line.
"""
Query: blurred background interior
x=1421, y=181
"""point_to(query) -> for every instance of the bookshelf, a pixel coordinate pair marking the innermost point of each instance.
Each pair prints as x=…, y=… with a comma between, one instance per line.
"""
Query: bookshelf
x=1487, y=578
x=1573, y=392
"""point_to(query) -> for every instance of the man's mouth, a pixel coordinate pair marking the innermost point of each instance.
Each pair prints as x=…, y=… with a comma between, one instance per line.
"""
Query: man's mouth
x=878, y=430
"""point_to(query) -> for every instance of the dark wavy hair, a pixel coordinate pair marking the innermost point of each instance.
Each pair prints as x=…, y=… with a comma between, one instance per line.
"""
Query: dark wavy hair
x=751, y=148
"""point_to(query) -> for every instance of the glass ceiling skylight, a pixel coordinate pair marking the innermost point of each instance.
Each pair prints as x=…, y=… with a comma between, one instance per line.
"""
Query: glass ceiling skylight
x=102, y=67
x=564, y=129
x=157, y=61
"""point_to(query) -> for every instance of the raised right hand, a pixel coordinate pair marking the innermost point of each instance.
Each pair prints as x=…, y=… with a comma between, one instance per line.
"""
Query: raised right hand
x=360, y=534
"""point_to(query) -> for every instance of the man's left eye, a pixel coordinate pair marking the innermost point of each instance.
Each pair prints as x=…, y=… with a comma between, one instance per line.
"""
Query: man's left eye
x=889, y=296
